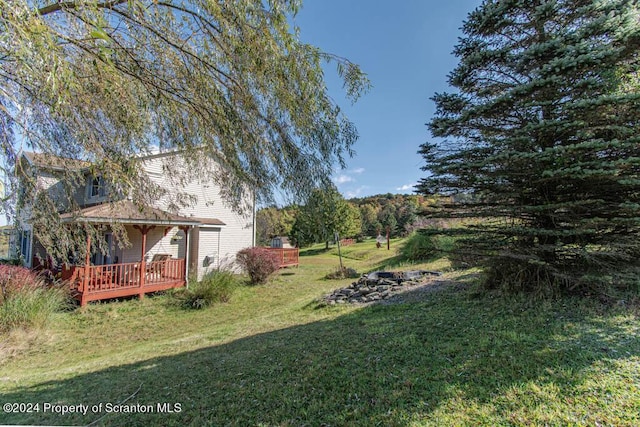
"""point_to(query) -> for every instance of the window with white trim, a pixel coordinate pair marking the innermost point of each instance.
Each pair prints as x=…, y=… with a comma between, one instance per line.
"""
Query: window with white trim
x=97, y=187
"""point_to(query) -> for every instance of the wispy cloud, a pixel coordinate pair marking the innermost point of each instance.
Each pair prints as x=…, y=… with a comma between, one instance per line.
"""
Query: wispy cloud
x=342, y=179
x=407, y=187
x=347, y=176
x=355, y=192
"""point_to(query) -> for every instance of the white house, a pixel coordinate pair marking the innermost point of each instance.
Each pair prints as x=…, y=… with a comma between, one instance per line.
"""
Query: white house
x=166, y=247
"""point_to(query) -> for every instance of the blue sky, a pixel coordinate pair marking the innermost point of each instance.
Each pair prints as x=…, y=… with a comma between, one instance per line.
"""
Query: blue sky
x=405, y=48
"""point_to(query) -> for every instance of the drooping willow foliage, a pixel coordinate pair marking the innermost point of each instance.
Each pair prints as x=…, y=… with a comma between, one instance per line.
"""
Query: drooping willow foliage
x=541, y=144
x=228, y=83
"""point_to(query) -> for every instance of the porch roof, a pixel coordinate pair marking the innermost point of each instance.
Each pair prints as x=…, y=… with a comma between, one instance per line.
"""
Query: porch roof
x=215, y=222
x=126, y=212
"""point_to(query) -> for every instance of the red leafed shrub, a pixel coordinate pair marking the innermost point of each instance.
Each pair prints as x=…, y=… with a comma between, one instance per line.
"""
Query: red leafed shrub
x=259, y=263
x=13, y=279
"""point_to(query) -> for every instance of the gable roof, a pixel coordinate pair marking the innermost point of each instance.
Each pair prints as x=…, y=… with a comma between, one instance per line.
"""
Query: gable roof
x=51, y=161
x=48, y=161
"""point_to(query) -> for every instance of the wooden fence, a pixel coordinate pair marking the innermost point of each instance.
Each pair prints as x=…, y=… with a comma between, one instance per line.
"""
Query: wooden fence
x=289, y=257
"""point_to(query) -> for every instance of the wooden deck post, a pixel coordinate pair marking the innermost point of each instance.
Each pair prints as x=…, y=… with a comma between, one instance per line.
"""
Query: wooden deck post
x=194, y=251
x=87, y=258
x=185, y=230
x=143, y=263
x=84, y=292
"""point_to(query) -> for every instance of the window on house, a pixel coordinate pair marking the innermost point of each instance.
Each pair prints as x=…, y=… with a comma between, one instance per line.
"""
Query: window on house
x=98, y=257
x=22, y=192
x=25, y=246
x=97, y=187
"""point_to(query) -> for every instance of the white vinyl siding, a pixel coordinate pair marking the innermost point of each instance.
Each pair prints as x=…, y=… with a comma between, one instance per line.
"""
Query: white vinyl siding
x=233, y=240
x=208, y=250
x=236, y=234
x=157, y=243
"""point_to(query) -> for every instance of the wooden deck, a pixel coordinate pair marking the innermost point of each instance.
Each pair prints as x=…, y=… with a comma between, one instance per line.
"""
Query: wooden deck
x=347, y=242
x=98, y=282
x=289, y=257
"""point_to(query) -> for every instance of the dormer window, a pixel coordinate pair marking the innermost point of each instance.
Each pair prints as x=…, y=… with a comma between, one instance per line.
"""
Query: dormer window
x=97, y=188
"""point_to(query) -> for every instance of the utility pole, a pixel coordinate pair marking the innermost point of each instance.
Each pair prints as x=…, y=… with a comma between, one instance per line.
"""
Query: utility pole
x=388, y=243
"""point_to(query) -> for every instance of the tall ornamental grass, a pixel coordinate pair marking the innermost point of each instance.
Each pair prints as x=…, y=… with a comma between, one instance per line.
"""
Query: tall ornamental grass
x=26, y=301
x=215, y=287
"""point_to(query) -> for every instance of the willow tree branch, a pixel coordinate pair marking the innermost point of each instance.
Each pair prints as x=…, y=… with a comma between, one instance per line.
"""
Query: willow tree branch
x=56, y=7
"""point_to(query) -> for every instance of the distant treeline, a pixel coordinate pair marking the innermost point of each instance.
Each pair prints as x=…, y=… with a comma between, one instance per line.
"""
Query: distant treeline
x=399, y=212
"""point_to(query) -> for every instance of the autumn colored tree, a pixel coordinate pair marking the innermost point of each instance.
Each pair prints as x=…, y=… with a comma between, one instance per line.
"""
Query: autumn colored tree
x=272, y=221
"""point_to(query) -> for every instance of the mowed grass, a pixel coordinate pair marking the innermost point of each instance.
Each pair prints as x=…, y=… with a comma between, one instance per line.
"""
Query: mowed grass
x=451, y=356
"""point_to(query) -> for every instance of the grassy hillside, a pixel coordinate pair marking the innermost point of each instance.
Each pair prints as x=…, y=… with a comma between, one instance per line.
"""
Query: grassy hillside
x=442, y=355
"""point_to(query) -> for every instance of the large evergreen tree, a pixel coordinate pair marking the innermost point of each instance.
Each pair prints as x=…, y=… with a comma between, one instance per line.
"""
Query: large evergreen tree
x=542, y=142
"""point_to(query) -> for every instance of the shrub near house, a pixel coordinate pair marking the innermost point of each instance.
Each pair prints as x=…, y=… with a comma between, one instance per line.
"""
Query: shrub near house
x=259, y=263
x=25, y=299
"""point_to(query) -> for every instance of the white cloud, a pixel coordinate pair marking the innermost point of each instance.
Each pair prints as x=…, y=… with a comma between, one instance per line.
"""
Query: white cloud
x=349, y=194
x=341, y=179
x=347, y=176
x=407, y=187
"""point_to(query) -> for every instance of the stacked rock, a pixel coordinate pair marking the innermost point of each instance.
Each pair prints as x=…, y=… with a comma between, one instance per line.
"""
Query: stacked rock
x=373, y=287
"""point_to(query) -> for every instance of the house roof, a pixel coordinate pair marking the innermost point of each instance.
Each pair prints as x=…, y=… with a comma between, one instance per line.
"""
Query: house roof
x=48, y=161
x=126, y=212
x=51, y=161
x=208, y=221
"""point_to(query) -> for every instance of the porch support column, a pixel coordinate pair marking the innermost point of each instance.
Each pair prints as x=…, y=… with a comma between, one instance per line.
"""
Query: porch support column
x=185, y=229
x=87, y=257
x=84, y=292
x=194, y=251
x=143, y=263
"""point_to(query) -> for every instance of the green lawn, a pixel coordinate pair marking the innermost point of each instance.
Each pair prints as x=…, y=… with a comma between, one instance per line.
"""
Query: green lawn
x=272, y=357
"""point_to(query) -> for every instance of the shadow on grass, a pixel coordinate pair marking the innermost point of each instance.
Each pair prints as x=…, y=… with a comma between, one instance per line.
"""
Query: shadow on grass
x=391, y=263
x=381, y=365
x=288, y=273
x=312, y=252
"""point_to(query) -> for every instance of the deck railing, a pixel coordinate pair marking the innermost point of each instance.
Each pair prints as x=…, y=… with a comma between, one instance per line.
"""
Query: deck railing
x=347, y=242
x=289, y=257
x=116, y=280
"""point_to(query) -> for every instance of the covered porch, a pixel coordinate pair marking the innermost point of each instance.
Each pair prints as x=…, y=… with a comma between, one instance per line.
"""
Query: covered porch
x=105, y=277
